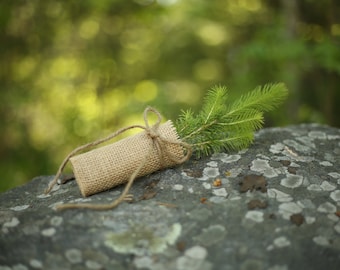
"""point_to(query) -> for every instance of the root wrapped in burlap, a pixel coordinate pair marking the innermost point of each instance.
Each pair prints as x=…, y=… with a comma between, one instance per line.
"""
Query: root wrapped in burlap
x=112, y=165
x=157, y=147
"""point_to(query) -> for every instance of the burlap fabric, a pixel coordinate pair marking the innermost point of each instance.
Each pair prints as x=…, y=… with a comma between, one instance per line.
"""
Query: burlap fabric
x=111, y=165
x=157, y=147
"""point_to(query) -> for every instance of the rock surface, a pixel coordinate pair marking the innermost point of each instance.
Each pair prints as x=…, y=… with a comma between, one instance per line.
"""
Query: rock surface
x=273, y=206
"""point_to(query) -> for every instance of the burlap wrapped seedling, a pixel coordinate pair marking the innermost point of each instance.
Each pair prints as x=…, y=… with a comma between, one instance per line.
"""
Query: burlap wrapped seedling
x=219, y=126
x=156, y=148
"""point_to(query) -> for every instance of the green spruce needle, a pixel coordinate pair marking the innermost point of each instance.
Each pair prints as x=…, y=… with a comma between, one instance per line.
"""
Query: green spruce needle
x=221, y=126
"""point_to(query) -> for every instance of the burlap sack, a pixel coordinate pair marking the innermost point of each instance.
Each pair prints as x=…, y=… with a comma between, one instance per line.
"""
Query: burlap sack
x=111, y=165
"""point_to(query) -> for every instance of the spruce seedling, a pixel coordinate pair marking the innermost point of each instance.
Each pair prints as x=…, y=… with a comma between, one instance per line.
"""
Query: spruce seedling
x=218, y=126
x=222, y=126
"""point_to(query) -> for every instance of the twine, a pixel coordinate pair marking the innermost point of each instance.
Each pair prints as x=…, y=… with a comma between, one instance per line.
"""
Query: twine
x=158, y=141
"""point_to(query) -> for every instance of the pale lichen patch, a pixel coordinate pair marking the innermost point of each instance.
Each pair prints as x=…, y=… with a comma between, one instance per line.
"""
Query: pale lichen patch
x=81, y=200
x=36, y=264
x=326, y=207
x=306, y=203
x=297, y=146
x=279, y=195
x=143, y=262
x=54, y=188
x=74, y=255
x=277, y=148
x=234, y=172
x=333, y=137
x=326, y=186
x=222, y=192
x=310, y=220
x=196, y=252
x=326, y=163
x=335, y=195
x=212, y=164
x=90, y=264
x=206, y=185
x=13, y=223
x=234, y=198
x=225, y=158
x=10, y=224
x=255, y=215
x=317, y=135
x=292, y=181
x=178, y=187
x=334, y=175
x=20, y=207
x=281, y=242
x=314, y=187
x=49, y=232
x=307, y=141
x=337, y=227
x=56, y=221
x=19, y=266
x=289, y=208
x=43, y=196
x=187, y=263
x=262, y=166
x=321, y=240
x=217, y=199
x=333, y=217
x=330, y=157
x=141, y=239
x=262, y=156
x=53, y=205
x=259, y=165
x=209, y=172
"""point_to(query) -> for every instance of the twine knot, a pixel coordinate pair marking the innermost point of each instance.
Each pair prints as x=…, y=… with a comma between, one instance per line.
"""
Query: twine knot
x=152, y=134
x=160, y=142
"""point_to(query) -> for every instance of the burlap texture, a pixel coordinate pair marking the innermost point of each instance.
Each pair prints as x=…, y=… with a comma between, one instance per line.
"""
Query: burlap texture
x=111, y=165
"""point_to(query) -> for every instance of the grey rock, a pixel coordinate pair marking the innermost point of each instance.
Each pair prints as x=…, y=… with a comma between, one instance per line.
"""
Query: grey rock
x=192, y=223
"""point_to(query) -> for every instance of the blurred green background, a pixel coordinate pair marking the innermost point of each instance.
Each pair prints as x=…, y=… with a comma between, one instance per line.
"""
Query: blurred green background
x=74, y=71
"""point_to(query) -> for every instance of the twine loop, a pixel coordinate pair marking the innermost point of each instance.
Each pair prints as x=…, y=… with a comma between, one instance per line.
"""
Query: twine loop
x=153, y=130
x=158, y=142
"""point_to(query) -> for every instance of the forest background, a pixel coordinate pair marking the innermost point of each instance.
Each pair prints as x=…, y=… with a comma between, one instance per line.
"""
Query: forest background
x=75, y=71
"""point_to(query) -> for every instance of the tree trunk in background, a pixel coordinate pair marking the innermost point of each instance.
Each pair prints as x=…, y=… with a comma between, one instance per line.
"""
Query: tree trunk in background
x=320, y=82
x=293, y=74
x=329, y=109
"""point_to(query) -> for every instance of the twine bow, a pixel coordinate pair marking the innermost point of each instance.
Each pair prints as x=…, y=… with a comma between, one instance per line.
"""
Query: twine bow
x=158, y=142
